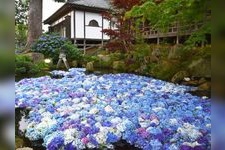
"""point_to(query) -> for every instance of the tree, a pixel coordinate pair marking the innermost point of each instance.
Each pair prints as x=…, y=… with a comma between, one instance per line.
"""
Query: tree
x=35, y=21
x=123, y=35
x=163, y=13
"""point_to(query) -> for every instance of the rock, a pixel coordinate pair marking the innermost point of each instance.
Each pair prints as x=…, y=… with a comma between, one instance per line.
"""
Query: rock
x=200, y=68
x=36, y=57
x=90, y=66
x=205, y=86
x=119, y=65
x=191, y=83
x=154, y=59
x=202, y=80
x=74, y=63
x=203, y=90
x=104, y=58
x=179, y=76
x=156, y=52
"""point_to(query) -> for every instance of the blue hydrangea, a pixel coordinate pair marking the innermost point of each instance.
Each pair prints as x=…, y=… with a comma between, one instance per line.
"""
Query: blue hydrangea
x=100, y=110
x=111, y=138
x=56, y=143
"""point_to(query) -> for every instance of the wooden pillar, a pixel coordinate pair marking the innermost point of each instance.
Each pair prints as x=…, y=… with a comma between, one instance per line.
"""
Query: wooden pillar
x=74, y=27
x=178, y=28
x=110, y=27
x=177, y=39
x=158, y=40
x=68, y=27
x=202, y=44
x=84, y=33
x=102, y=31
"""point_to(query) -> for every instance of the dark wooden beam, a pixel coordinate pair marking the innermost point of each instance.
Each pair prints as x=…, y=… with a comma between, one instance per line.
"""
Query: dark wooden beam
x=102, y=30
x=84, y=32
x=74, y=26
x=110, y=26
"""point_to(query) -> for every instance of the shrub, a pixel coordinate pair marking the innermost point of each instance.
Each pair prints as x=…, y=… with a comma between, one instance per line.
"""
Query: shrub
x=25, y=66
x=50, y=44
x=164, y=70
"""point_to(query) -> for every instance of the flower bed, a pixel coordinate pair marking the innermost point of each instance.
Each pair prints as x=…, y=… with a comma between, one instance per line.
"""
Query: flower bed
x=88, y=111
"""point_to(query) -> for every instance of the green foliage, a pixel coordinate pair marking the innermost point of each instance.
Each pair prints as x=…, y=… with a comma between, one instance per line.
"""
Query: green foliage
x=116, y=56
x=20, y=36
x=25, y=66
x=165, y=69
x=168, y=12
x=88, y=58
x=72, y=52
x=141, y=51
x=50, y=45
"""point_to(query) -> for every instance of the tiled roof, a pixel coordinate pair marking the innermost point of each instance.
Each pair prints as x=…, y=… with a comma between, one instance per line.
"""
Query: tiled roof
x=104, y=4
x=90, y=5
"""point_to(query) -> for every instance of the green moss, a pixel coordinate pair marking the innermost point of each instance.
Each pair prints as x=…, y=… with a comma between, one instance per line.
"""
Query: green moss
x=19, y=142
x=164, y=70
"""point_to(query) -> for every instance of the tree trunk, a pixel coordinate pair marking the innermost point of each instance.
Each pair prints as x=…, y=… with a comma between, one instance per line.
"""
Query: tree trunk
x=34, y=22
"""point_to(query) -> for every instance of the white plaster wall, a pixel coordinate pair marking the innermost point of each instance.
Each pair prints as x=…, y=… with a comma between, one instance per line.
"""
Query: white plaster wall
x=79, y=16
x=106, y=24
x=91, y=32
x=72, y=23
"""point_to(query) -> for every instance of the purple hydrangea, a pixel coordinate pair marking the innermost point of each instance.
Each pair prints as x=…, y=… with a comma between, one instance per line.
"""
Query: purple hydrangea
x=56, y=143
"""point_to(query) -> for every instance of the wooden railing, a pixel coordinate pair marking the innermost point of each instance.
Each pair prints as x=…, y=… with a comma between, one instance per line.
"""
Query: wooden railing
x=149, y=32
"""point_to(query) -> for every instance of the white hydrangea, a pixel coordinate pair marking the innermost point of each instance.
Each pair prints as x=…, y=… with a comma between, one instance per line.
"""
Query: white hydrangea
x=157, y=109
x=75, y=116
x=109, y=109
x=116, y=120
x=122, y=126
x=144, y=123
x=76, y=100
x=194, y=144
x=189, y=131
x=156, y=121
x=78, y=144
x=94, y=111
x=46, y=123
x=101, y=137
x=69, y=135
x=173, y=147
x=173, y=121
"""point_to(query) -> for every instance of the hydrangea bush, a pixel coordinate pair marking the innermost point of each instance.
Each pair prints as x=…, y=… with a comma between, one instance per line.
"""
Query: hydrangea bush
x=82, y=111
x=50, y=44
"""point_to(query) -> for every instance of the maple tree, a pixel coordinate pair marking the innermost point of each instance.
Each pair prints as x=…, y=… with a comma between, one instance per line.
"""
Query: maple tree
x=122, y=35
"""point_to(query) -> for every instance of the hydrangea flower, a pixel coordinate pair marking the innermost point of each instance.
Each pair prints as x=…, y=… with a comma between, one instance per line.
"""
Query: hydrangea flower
x=79, y=111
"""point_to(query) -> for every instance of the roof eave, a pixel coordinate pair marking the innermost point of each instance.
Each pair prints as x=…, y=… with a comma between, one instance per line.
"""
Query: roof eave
x=67, y=7
x=59, y=13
